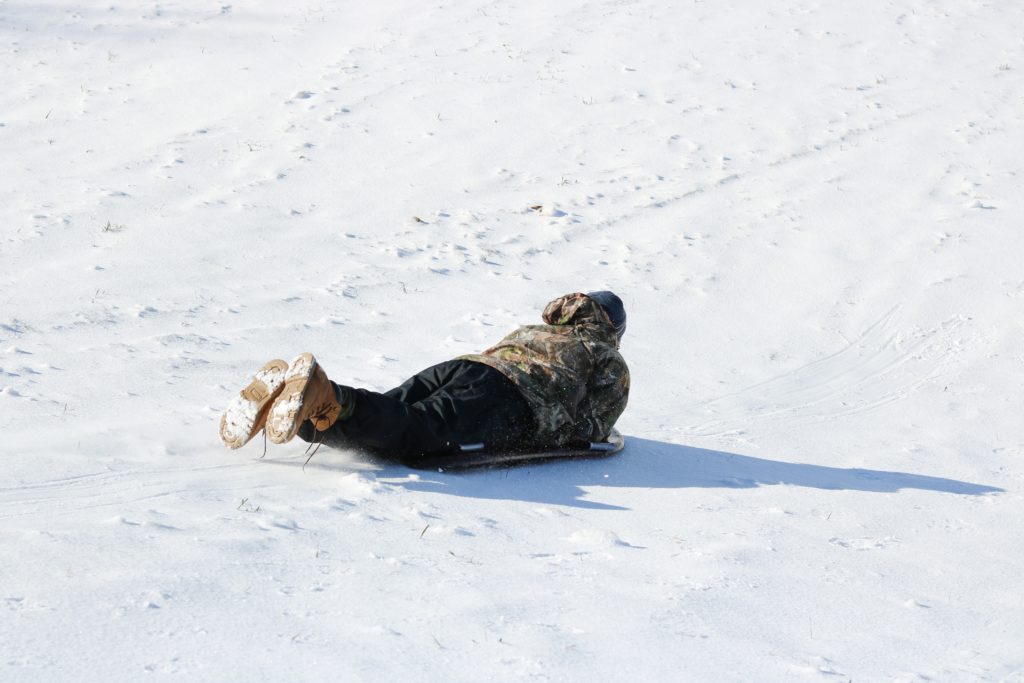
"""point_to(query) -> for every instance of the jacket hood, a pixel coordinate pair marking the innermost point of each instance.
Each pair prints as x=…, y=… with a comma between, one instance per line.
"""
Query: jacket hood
x=579, y=309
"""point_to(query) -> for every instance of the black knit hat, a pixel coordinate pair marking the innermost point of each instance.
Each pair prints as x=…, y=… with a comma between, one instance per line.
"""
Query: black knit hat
x=612, y=305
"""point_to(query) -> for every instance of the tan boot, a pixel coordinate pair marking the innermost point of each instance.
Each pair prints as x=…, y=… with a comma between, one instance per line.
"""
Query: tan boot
x=247, y=412
x=307, y=395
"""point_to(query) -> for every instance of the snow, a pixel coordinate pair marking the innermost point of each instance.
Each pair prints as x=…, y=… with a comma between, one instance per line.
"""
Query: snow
x=811, y=210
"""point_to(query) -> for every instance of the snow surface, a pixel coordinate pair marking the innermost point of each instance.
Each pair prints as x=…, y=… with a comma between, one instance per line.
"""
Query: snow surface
x=812, y=210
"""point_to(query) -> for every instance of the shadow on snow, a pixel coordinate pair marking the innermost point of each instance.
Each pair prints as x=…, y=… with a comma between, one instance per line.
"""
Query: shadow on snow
x=657, y=464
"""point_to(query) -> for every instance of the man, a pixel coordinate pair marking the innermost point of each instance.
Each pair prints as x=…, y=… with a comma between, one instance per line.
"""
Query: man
x=542, y=386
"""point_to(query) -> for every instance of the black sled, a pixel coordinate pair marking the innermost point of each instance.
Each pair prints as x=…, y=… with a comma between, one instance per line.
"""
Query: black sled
x=477, y=456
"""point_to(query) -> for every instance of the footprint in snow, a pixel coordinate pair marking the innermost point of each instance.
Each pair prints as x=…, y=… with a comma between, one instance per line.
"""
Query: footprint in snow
x=597, y=538
x=863, y=543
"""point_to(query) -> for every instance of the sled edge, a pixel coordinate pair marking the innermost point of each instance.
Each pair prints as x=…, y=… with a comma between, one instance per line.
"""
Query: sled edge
x=473, y=456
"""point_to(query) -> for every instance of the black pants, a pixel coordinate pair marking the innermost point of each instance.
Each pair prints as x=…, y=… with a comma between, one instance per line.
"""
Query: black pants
x=435, y=411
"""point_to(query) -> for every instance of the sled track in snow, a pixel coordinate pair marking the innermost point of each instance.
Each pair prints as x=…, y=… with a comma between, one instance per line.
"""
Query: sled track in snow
x=101, y=489
x=881, y=367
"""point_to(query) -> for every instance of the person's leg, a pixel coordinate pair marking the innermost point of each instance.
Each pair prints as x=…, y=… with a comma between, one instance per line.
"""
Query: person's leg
x=467, y=403
x=417, y=387
x=424, y=383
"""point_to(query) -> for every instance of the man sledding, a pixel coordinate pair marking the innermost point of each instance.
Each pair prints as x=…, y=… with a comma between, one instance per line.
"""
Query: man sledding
x=541, y=388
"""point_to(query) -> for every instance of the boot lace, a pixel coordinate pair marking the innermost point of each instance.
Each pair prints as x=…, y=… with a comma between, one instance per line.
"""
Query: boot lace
x=320, y=415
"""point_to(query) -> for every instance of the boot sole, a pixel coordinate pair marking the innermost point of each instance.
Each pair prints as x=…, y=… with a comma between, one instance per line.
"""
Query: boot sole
x=247, y=412
x=283, y=423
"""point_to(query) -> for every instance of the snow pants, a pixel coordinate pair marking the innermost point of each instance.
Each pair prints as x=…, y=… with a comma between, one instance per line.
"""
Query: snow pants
x=437, y=410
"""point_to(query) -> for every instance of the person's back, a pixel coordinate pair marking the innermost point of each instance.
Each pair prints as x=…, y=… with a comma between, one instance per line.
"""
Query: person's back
x=569, y=370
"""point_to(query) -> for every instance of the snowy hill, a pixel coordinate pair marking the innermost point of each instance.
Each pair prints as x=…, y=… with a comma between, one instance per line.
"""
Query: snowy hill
x=813, y=214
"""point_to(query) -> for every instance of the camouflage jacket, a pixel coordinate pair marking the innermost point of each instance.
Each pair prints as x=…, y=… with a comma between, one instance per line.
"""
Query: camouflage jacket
x=569, y=370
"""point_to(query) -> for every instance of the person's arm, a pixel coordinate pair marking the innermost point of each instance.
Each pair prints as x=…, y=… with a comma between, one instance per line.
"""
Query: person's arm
x=604, y=401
